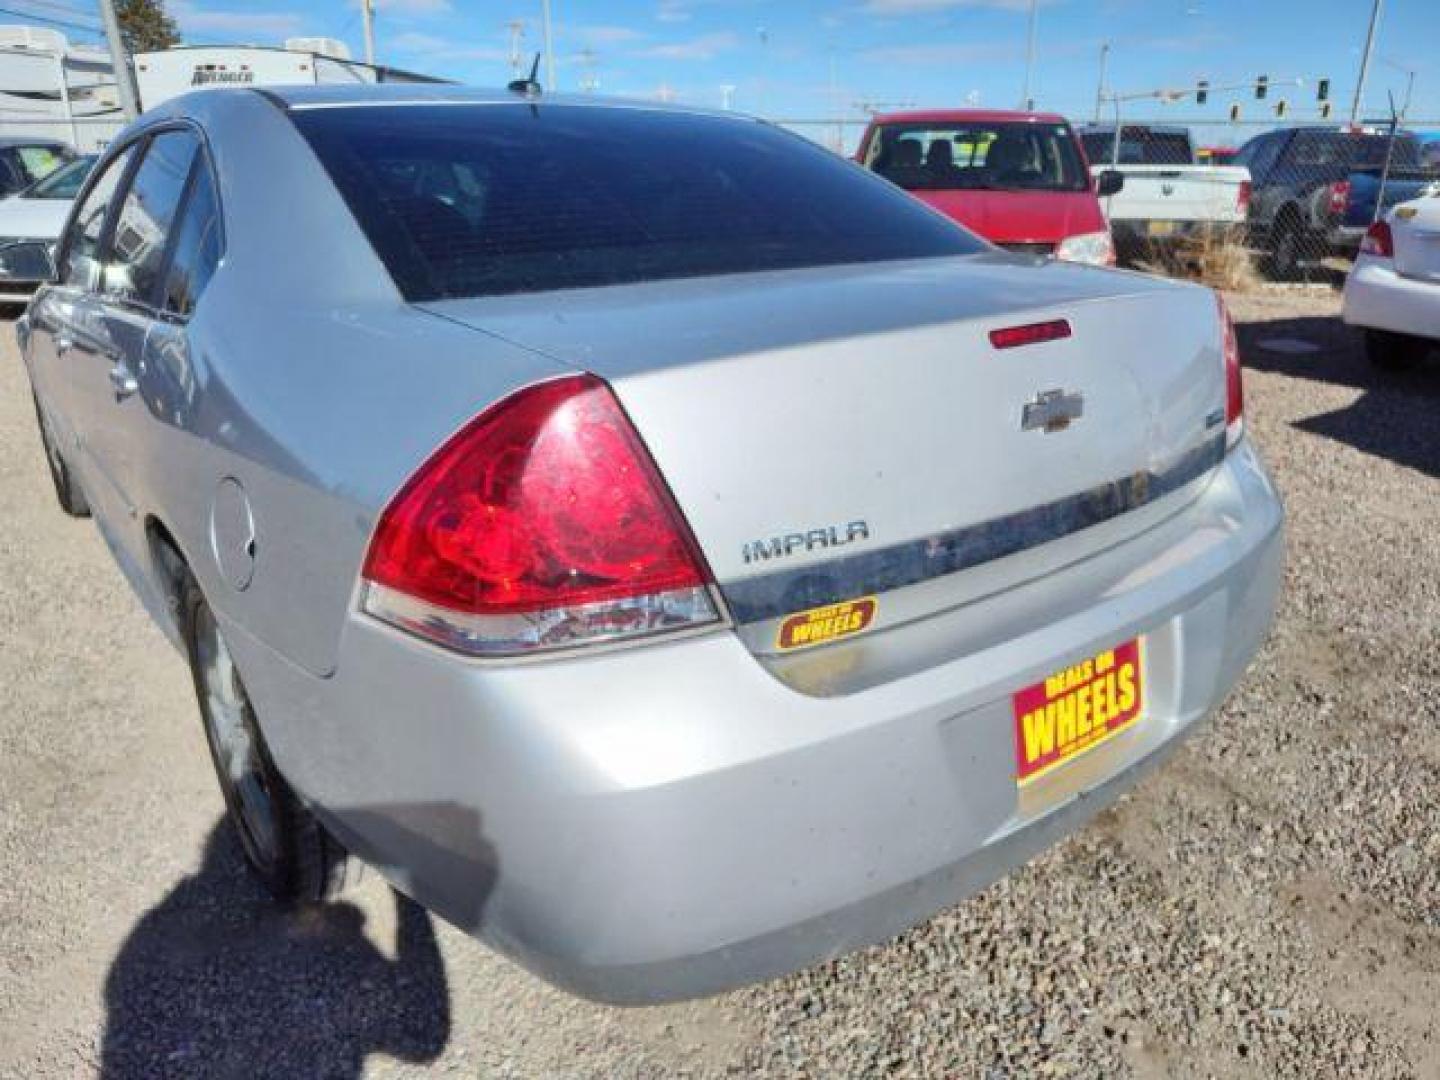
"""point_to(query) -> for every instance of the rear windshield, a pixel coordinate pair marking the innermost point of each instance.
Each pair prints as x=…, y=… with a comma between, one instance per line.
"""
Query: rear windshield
x=1001, y=156
x=1139, y=146
x=1353, y=150
x=484, y=200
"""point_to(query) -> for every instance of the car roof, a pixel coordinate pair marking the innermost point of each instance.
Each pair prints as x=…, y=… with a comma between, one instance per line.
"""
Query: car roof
x=331, y=96
x=982, y=116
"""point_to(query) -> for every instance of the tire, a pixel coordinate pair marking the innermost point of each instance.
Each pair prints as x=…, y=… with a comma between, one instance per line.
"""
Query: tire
x=285, y=846
x=1394, y=352
x=67, y=488
x=1284, y=261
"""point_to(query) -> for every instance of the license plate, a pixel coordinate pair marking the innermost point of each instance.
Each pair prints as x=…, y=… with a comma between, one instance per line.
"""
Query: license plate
x=1162, y=228
x=1076, y=709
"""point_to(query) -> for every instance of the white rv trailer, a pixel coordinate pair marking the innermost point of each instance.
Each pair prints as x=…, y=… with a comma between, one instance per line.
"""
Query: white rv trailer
x=167, y=74
x=52, y=90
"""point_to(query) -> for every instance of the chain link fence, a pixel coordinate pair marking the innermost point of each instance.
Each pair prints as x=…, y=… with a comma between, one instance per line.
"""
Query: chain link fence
x=1241, y=202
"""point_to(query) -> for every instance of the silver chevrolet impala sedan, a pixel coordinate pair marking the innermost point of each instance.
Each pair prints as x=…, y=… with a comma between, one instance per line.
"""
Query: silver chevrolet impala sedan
x=659, y=546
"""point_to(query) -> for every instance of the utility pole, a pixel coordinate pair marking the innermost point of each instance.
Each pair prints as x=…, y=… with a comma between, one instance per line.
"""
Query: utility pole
x=549, y=46
x=1365, y=62
x=1100, y=86
x=764, y=36
x=120, y=60
x=589, y=82
x=367, y=20
x=1026, y=101
x=517, y=29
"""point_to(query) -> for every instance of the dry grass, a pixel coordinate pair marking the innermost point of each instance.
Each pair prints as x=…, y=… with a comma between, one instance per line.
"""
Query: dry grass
x=1217, y=257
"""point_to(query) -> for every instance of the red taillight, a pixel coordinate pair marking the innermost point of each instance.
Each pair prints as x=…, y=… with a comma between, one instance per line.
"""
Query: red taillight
x=1339, y=196
x=542, y=523
x=1243, y=197
x=1234, y=380
x=1031, y=334
x=1379, y=240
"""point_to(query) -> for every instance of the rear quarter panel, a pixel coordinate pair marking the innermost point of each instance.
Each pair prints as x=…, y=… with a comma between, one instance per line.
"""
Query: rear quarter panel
x=304, y=377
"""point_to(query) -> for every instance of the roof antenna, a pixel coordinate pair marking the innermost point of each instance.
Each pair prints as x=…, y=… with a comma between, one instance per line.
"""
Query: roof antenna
x=528, y=87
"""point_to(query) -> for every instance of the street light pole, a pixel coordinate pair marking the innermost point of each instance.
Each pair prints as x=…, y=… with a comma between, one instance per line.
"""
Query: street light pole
x=367, y=20
x=1026, y=101
x=1100, y=86
x=1365, y=62
x=120, y=61
x=549, y=46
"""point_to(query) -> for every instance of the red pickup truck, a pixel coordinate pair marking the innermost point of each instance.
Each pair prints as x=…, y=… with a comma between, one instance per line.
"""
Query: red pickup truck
x=1019, y=179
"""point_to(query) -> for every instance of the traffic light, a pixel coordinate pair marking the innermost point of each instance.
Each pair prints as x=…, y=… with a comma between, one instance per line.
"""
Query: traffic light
x=1262, y=87
x=1322, y=90
x=1280, y=108
x=1202, y=92
x=1325, y=108
x=1235, y=112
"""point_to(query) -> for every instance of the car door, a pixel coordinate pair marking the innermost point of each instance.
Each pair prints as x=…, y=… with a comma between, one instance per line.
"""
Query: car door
x=64, y=315
x=111, y=360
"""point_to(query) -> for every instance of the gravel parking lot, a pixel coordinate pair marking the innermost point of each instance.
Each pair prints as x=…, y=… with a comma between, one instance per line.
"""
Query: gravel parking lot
x=1266, y=905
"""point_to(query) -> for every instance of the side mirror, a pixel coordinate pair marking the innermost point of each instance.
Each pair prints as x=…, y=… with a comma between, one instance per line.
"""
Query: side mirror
x=1108, y=183
x=32, y=260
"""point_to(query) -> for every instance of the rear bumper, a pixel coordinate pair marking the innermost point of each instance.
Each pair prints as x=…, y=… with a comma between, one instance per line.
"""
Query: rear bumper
x=1379, y=298
x=672, y=820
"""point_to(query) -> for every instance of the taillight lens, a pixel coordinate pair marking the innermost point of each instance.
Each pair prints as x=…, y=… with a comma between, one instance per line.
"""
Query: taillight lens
x=1243, y=197
x=1339, y=196
x=542, y=524
x=1234, y=380
x=1379, y=240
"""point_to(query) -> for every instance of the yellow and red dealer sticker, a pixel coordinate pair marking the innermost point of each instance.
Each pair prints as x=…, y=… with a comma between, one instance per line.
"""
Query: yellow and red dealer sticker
x=1077, y=709
x=826, y=623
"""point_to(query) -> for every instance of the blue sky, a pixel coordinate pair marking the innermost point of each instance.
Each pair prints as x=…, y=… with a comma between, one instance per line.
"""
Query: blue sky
x=779, y=57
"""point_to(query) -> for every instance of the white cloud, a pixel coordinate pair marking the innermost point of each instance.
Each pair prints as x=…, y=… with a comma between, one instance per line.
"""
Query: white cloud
x=415, y=7
x=943, y=52
x=194, y=19
x=926, y=7
x=604, y=35
x=414, y=43
x=704, y=47
x=672, y=11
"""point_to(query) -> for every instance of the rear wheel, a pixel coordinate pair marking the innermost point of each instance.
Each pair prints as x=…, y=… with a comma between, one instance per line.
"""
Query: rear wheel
x=67, y=490
x=1394, y=352
x=286, y=847
x=1285, y=251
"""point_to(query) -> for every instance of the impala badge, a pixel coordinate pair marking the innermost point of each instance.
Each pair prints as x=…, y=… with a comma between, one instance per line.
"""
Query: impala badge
x=1052, y=410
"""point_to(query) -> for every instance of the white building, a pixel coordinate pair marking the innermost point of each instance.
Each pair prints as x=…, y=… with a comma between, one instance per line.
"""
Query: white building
x=50, y=89
x=163, y=75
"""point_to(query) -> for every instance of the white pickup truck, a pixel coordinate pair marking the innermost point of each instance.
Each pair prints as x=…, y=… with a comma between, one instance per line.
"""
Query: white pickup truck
x=1167, y=197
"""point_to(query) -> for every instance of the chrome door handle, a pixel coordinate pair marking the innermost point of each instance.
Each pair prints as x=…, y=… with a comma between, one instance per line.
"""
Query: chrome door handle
x=122, y=382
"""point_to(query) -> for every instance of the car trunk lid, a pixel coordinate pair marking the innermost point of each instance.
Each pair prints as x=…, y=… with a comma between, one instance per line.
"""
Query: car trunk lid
x=852, y=432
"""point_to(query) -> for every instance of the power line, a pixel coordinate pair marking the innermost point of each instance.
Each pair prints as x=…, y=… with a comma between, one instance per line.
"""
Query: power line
x=50, y=5
x=50, y=22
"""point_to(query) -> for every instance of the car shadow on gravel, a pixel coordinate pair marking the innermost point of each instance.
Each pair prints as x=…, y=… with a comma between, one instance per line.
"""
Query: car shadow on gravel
x=1396, y=416
x=219, y=981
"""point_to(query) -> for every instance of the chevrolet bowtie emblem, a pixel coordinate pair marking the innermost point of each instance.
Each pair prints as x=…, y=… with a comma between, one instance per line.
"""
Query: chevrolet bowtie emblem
x=1052, y=410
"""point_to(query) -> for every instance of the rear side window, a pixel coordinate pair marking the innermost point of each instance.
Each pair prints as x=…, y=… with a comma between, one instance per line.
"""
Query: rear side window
x=137, y=243
x=197, y=245
x=81, y=263
x=483, y=200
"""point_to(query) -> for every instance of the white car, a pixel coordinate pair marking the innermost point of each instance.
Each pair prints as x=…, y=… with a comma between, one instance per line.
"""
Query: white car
x=1394, y=288
x=38, y=213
